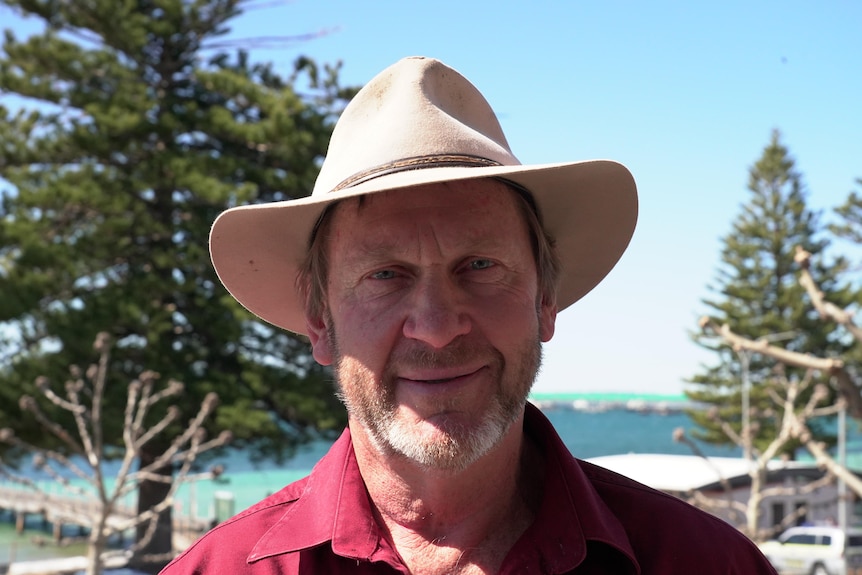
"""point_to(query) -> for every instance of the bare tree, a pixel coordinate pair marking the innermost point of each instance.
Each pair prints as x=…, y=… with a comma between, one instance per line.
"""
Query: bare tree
x=83, y=399
x=790, y=423
x=849, y=393
x=792, y=416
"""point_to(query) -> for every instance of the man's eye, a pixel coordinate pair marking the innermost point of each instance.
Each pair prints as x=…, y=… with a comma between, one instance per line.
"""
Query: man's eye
x=481, y=264
x=383, y=275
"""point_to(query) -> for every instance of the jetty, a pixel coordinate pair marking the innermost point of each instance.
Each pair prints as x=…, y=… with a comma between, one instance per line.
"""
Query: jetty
x=61, y=510
x=58, y=510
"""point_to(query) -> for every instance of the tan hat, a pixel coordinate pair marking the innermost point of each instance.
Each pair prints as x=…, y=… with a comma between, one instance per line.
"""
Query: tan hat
x=416, y=123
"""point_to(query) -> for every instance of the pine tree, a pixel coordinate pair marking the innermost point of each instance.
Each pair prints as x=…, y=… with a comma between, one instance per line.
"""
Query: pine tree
x=133, y=135
x=757, y=295
x=850, y=226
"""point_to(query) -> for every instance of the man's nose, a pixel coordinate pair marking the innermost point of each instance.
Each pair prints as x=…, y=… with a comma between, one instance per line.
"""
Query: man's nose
x=437, y=313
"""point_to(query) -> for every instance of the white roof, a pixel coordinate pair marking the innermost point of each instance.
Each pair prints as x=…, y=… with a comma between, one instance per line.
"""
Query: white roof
x=681, y=473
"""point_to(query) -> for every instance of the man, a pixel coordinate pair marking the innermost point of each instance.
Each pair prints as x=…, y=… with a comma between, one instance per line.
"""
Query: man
x=427, y=268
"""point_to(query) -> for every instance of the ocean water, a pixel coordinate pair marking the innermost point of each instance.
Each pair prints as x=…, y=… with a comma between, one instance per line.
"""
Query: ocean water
x=588, y=433
x=592, y=434
x=34, y=543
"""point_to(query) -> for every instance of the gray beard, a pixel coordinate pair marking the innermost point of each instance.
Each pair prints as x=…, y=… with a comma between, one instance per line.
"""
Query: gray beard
x=373, y=406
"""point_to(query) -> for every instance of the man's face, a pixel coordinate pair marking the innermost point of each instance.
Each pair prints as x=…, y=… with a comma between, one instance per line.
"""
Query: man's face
x=433, y=318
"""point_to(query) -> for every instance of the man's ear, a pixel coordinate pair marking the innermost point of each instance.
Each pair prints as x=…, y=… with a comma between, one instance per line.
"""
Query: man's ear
x=547, y=318
x=318, y=334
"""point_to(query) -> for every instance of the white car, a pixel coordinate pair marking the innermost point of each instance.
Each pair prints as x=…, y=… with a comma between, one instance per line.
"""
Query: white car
x=816, y=551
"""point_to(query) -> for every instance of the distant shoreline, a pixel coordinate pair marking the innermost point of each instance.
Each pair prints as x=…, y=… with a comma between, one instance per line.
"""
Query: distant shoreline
x=607, y=401
x=607, y=396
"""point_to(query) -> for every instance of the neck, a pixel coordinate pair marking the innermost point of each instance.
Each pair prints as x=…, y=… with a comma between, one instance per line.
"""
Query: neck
x=474, y=515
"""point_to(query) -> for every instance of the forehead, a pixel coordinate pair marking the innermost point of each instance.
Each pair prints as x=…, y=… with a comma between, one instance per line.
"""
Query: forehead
x=465, y=202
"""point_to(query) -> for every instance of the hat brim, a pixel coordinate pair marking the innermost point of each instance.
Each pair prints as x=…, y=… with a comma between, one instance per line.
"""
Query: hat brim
x=589, y=208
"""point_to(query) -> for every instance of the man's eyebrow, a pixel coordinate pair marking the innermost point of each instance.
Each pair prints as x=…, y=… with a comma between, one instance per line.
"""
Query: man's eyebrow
x=378, y=250
x=363, y=253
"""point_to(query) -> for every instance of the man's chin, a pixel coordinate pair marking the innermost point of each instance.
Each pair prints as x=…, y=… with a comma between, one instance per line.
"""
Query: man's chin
x=449, y=442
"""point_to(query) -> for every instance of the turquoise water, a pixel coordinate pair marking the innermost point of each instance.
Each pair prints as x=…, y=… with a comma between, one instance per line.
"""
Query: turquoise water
x=33, y=543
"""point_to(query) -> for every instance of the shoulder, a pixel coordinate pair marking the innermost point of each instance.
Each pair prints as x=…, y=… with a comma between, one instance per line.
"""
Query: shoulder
x=667, y=533
x=226, y=547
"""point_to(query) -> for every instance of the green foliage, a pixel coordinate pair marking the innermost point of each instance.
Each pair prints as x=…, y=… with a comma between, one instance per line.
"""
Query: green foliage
x=757, y=294
x=131, y=138
x=851, y=214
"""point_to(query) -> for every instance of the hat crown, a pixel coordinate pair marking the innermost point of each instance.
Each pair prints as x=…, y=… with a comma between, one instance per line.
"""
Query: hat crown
x=417, y=109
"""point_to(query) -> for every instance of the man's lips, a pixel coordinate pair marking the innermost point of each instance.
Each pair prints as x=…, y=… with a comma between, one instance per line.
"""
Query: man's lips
x=444, y=380
x=438, y=378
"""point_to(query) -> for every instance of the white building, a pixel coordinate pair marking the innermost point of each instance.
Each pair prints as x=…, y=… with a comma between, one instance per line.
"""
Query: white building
x=727, y=477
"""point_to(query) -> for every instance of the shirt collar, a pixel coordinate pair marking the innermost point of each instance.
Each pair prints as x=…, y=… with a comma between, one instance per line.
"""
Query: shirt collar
x=334, y=507
x=572, y=512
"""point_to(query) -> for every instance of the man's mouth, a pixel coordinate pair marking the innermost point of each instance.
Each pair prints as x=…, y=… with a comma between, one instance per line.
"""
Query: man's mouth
x=455, y=377
x=433, y=381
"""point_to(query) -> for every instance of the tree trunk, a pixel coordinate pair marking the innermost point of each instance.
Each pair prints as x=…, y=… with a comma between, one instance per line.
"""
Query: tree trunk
x=156, y=553
x=94, y=553
x=752, y=514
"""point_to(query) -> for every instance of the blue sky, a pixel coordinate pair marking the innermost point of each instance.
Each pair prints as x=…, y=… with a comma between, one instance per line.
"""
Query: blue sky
x=686, y=94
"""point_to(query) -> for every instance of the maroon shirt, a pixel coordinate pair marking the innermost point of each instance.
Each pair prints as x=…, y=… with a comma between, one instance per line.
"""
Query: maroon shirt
x=591, y=521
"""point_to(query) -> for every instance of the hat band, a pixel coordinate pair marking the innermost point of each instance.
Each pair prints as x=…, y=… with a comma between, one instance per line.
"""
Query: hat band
x=416, y=163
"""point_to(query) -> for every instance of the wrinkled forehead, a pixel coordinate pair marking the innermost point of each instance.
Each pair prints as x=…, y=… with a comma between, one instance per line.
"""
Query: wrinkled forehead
x=422, y=196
